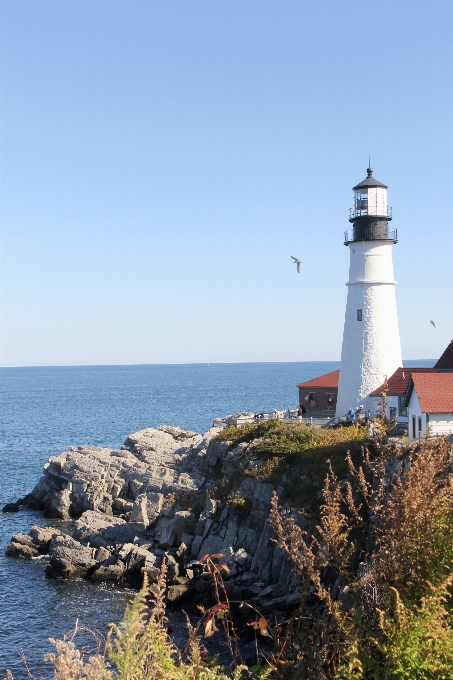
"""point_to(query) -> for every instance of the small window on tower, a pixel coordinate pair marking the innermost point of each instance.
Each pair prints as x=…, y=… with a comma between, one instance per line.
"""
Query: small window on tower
x=359, y=315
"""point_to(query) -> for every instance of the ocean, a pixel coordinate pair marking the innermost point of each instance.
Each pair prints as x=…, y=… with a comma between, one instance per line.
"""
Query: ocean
x=45, y=410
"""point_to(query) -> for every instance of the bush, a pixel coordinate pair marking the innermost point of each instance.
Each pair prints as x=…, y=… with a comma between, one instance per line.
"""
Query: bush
x=139, y=648
x=393, y=619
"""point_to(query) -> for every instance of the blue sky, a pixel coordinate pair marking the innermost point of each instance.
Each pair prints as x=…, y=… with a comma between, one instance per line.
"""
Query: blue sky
x=161, y=161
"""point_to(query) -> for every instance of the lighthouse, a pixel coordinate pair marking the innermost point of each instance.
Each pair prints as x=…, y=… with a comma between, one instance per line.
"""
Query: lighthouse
x=371, y=348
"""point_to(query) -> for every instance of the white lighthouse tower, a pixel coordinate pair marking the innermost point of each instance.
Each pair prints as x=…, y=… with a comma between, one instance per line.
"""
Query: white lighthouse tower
x=371, y=341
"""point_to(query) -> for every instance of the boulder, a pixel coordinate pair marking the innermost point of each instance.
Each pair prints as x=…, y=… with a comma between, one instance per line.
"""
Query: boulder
x=21, y=545
x=109, y=569
x=165, y=532
x=138, y=560
x=11, y=507
x=154, y=506
x=177, y=594
x=139, y=514
x=97, y=530
x=41, y=537
x=69, y=558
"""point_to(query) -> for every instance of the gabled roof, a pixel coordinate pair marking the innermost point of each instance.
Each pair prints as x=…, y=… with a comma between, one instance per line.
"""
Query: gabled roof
x=434, y=391
x=326, y=380
x=446, y=360
x=398, y=382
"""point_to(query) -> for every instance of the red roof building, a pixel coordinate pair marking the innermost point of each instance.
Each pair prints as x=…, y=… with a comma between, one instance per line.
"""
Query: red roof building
x=398, y=382
x=429, y=402
x=319, y=395
x=396, y=389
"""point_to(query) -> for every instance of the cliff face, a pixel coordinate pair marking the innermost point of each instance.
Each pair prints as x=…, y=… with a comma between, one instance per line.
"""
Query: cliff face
x=165, y=492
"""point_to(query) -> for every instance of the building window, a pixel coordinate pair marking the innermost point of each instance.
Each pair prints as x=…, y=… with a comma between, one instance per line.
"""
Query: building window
x=419, y=427
x=359, y=315
x=330, y=400
x=393, y=412
x=310, y=397
x=402, y=409
x=414, y=433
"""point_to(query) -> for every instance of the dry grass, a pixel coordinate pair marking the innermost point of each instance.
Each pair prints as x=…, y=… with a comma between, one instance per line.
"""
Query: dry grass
x=393, y=619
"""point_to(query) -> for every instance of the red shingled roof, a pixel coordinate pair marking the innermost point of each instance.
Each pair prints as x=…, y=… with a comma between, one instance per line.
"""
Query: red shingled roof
x=398, y=382
x=326, y=380
x=434, y=391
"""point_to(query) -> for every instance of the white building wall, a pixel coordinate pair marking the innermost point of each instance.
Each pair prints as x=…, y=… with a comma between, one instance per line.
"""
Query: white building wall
x=433, y=424
x=371, y=348
x=414, y=410
x=393, y=402
x=440, y=423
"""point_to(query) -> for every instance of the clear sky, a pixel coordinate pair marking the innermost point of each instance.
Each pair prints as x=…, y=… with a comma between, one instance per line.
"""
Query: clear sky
x=161, y=162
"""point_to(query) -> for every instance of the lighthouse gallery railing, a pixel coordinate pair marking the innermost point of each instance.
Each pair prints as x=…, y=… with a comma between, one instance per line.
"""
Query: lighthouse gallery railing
x=369, y=235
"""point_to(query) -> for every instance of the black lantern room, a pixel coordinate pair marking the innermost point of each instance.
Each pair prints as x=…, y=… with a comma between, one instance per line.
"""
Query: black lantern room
x=370, y=215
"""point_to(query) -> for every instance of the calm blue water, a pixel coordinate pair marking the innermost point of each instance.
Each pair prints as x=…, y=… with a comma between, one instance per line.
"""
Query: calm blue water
x=44, y=410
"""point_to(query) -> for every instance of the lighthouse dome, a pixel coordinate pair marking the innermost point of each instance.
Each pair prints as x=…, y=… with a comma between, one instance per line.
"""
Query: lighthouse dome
x=370, y=181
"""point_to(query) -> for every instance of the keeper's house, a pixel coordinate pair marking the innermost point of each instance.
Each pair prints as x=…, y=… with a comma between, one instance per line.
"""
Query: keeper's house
x=395, y=389
x=429, y=403
x=397, y=386
x=319, y=395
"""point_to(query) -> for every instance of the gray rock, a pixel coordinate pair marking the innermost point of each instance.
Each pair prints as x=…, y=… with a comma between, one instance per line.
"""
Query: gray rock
x=165, y=532
x=168, y=510
x=196, y=545
x=21, y=545
x=68, y=558
x=106, y=480
x=154, y=506
x=139, y=515
x=102, y=554
x=109, y=572
x=41, y=537
x=241, y=557
x=217, y=450
x=188, y=539
x=125, y=525
x=121, y=506
x=178, y=593
x=95, y=529
x=172, y=568
x=139, y=559
x=11, y=507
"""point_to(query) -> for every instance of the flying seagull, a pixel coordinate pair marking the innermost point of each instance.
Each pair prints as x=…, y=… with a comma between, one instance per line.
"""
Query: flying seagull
x=433, y=324
x=297, y=263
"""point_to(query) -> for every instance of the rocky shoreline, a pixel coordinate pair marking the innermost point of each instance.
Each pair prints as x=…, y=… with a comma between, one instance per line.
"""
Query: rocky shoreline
x=157, y=497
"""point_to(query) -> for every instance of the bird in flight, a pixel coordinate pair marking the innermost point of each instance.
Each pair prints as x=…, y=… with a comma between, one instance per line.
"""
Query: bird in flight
x=433, y=324
x=297, y=263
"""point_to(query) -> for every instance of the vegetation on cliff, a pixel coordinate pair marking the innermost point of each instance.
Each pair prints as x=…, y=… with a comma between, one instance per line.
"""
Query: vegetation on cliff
x=295, y=458
x=375, y=568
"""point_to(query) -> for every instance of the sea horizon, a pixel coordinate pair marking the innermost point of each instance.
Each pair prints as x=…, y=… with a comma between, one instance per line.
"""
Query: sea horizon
x=196, y=363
